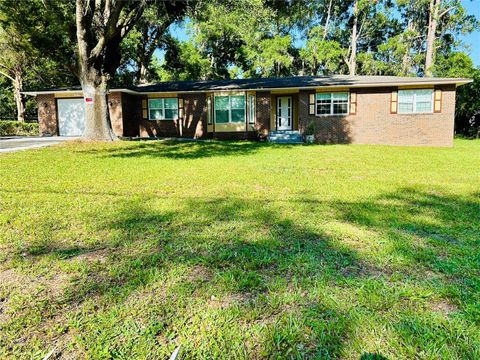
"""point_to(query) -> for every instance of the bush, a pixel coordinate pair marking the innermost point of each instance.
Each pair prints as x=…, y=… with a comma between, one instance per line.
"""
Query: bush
x=8, y=128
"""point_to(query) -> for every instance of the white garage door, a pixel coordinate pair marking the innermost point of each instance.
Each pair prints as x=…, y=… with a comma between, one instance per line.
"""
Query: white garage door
x=71, y=117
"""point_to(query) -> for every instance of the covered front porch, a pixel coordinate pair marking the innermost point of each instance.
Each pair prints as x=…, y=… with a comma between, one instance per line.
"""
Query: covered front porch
x=272, y=115
x=284, y=111
x=284, y=117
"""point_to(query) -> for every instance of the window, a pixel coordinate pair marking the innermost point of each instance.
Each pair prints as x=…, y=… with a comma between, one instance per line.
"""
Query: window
x=251, y=109
x=331, y=103
x=415, y=101
x=163, y=109
x=229, y=109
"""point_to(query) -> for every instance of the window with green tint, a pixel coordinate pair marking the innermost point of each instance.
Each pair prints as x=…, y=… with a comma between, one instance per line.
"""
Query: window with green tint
x=163, y=109
x=155, y=103
x=229, y=109
x=415, y=101
x=331, y=103
x=323, y=103
x=237, y=108
x=237, y=102
x=222, y=109
x=340, y=103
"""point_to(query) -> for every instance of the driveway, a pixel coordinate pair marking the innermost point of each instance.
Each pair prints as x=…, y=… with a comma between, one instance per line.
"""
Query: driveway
x=16, y=143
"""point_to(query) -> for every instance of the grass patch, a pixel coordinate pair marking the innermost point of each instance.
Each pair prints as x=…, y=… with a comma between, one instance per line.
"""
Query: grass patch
x=240, y=250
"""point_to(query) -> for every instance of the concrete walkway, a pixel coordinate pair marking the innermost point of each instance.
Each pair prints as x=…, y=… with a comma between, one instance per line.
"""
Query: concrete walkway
x=16, y=143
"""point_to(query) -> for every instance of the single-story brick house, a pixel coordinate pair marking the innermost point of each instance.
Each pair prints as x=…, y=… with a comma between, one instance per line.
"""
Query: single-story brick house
x=337, y=109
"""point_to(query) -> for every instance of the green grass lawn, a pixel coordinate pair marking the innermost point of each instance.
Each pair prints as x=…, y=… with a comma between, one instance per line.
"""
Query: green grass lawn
x=240, y=250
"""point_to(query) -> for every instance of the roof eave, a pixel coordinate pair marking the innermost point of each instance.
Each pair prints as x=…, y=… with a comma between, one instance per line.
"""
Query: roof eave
x=453, y=81
x=456, y=82
x=73, y=91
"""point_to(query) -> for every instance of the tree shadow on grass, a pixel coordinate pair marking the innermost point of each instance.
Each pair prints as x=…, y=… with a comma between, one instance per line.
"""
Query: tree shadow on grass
x=434, y=231
x=243, y=253
x=172, y=149
x=249, y=261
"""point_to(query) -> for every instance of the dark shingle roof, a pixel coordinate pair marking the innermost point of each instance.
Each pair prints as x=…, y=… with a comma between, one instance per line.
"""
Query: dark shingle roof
x=287, y=82
x=274, y=83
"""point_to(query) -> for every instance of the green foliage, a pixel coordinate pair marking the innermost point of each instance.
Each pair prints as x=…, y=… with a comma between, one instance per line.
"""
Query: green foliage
x=36, y=49
x=240, y=250
x=467, y=107
x=396, y=56
x=150, y=33
x=231, y=34
x=248, y=38
x=311, y=128
x=454, y=64
x=321, y=56
x=270, y=57
x=182, y=61
x=252, y=38
x=8, y=128
x=453, y=21
x=40, y=31
x=467, y=110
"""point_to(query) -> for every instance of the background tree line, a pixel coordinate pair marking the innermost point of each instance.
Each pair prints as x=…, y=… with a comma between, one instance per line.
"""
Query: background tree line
x=47, y=43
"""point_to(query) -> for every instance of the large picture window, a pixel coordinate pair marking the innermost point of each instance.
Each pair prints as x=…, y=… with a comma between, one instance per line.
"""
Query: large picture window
x=331, y=103
x=229, y=109
x=163, y=109
x=415, y=101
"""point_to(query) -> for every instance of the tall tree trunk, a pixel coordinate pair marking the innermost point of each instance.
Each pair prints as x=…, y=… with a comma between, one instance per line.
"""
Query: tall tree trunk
x=94, y=82
x=100, y=28
x=434, y=7
x=143, y=58
x=142, y=72
x=97, y=118
x=406, y=58
x=17, y=94
x=327, y=21
x=352, y=62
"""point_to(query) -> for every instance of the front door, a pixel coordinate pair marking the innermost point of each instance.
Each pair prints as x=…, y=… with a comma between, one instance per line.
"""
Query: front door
x=284, y=113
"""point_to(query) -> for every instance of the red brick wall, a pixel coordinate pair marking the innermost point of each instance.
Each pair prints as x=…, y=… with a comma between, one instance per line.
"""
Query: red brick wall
x=160, y=128
x=47, y=114
x=373, y=123
x=132, y=114
x=116, y=113
x=195, y=120
x=263, y=111
x=193, y=123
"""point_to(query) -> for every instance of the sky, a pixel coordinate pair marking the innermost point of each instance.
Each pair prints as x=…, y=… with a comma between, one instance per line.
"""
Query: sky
x=472, y=40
